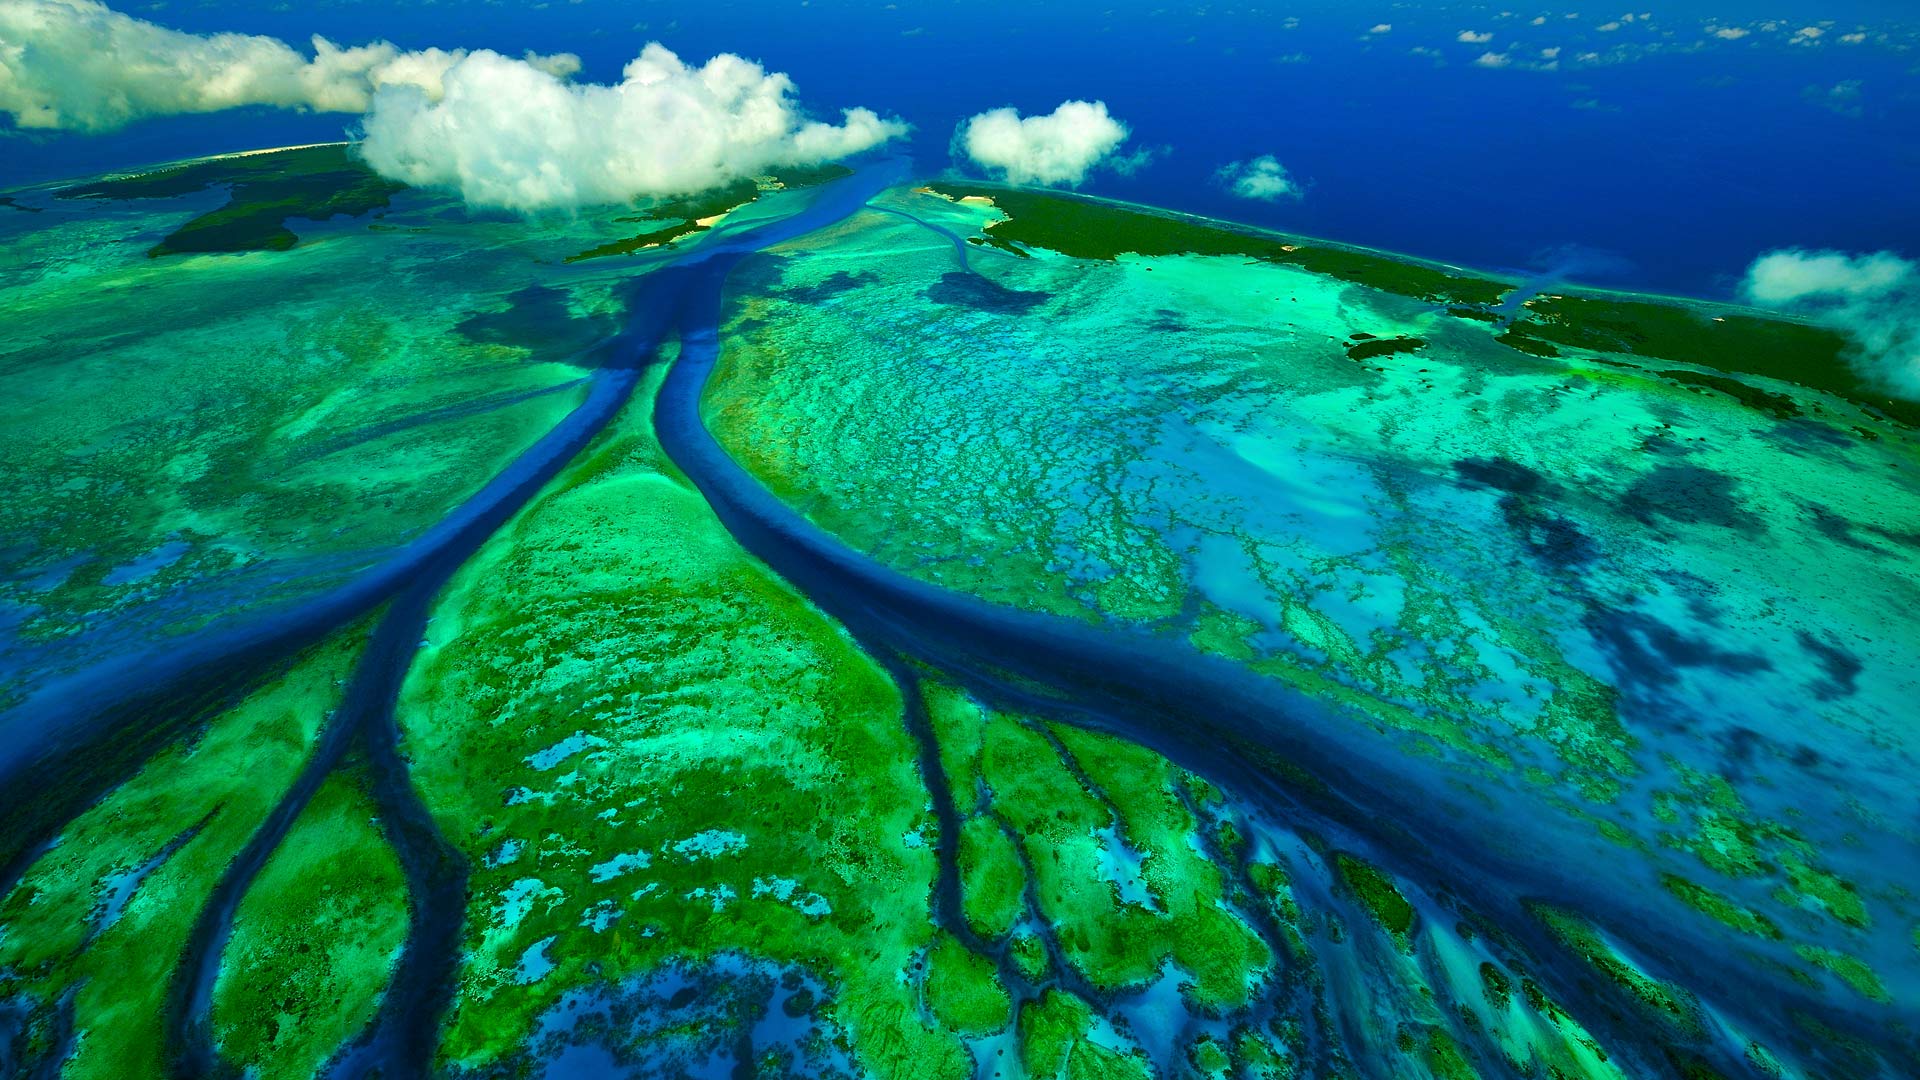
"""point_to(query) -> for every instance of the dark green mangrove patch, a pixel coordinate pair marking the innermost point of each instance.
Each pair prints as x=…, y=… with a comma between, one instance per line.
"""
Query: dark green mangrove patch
x=720, y=200
x=1002, y=245
x=1780, y=406
x=1782, y=349
x=1087, y=229
x=1375, y=348
x=265, y=191
x=1519, y=338
x=690, y=210
x=631, y=244
x=1712, y=904
x=1377, y=892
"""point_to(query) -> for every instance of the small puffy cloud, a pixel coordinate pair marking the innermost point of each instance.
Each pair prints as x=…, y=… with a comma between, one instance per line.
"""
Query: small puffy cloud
x=1060, y=147
x=1550, y=53
x=1492, y=60
x=510, y=134
x=1263, y=178
x=1608, y=27
x=79, y=65
x=1842, y=97
x=1874, y=299
x=1854, y=38
x=1469, y=37
x=1729, y=33
x=1810, y=33
x=1381, y=28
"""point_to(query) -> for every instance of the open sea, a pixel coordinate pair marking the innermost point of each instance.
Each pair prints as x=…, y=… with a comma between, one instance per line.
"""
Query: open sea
x=1665, y=160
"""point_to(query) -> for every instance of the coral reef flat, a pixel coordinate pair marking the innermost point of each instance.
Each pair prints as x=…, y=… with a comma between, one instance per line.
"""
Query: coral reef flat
x=848, y=625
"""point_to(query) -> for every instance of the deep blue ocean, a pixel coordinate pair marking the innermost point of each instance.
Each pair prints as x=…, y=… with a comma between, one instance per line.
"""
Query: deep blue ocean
x=1667, y=164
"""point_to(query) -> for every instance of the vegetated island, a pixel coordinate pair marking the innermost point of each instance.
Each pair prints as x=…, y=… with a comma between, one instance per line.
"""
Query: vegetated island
x=1736, y=343
x=699, y=212
x=265, y=191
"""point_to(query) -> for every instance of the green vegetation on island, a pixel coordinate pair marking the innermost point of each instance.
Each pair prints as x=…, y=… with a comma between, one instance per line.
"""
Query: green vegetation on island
x=1781, y=349
x=1089, y=229
x=314, y=941
x=104, y=916
x=265, y=191
x=1376, y=348
x=653, y=239
x=1377, y=893
x=691, y=210
x=1777, y=348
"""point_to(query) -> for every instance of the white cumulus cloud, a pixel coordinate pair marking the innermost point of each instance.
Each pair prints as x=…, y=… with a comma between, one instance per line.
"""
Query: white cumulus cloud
x=1874, y=299
x=1492, y=60
x=1262, y=178
x=1381, y=28
x=1058, y=148
x=77, y=64
x=1469, y=37
x=504, y=133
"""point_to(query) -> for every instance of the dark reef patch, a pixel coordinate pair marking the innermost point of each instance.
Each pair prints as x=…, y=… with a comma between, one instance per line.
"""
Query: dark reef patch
x=1169, y=321
x=1840, y=667
x=959, y=289
x=538, y=318
x=1523, y=504
x=1503, y=474
x=1547, y=536
x=1648, y=651
x=834, y=284
x=1836, y=528
x=1690, y=495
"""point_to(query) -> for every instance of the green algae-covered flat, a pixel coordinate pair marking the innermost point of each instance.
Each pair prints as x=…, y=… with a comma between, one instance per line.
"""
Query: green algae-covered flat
x=1100, y=642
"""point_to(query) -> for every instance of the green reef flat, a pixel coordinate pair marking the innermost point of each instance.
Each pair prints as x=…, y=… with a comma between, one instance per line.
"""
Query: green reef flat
x=1482, y=684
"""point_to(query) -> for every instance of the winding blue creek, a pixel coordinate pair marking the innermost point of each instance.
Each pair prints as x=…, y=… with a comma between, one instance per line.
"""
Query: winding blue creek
x=1204, y=713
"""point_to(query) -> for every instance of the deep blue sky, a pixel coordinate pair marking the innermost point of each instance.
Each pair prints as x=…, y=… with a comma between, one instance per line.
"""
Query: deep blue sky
x=1682, y=160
